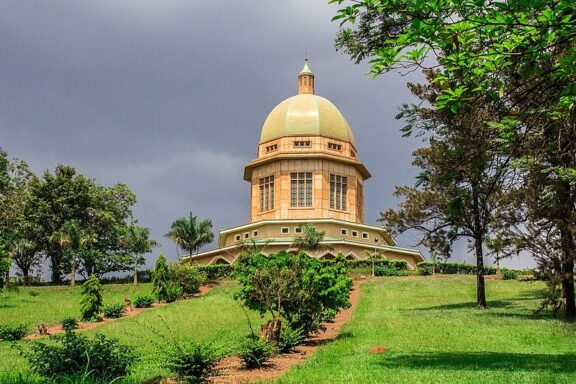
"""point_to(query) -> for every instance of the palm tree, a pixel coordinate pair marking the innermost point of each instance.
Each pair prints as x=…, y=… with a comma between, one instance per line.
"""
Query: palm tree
x=373, y=257
x=137, y=240
x=191, y=234
x=73, y=238
x=310, y=240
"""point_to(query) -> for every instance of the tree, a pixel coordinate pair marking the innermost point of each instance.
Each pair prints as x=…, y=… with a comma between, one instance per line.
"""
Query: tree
x=462, y=180
x=310, y=240
x=74, y=239
x=137, y=241
x=373, y=257
x=300, y=289
x=5, y=264
x=91, y=303
x=26, y=256
x=191, y=234
x=161, y=278
x=518, y=54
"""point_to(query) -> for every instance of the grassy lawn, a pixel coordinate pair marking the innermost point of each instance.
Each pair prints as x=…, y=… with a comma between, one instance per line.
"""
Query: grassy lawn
x=428, y=325
x=433, y=334
x=216, y=317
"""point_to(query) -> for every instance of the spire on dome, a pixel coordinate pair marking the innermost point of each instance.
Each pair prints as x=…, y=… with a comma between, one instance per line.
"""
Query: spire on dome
x=306, y=79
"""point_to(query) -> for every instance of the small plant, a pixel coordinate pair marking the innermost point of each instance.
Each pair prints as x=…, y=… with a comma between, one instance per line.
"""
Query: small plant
x=97, y=358
x=91, y=303
x=256, y=352
x=69, y=324
x=289, y=338
x=193, y=362
x=13, y=333
x=160, y=278
x=389, y=271
x=33, y=293
x=173, y=292
x=143, y=301
x=509, y=274
x=114, y=311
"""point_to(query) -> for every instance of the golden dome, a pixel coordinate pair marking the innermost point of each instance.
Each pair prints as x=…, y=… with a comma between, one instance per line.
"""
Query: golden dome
x=306, y=115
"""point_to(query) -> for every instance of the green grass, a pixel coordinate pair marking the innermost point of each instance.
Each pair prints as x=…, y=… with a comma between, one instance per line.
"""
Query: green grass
x=433, y=334
x=216, y=316
x=429, y=326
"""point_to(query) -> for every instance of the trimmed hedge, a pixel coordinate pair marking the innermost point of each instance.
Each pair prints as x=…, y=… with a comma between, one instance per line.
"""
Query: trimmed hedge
x=217, y=271
x=425, y=268
x=384, y=263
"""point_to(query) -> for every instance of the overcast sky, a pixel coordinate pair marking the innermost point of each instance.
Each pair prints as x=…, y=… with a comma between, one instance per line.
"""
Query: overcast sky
x=169, y=97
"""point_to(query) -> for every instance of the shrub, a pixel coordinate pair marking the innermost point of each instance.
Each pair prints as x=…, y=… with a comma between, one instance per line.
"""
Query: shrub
x=193, y=362
x=256, y=352
x=173, y=292
x=91, y=303
x=289, y=338
x=509, y=274
x=425, y=269
x=114, y=311
x=69, y=324
x=13, y=333
x=74, y=354
x=217, y=271
x=304, y=288
x=160, y=278
x=33, y=293
x=452, y=268
x=188, y=276
x=143, y=301
x=389, y=271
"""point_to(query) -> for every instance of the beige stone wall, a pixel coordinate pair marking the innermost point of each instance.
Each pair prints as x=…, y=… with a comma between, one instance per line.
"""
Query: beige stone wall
x=339, y=231
x=321, y=170
x=285, y=145
x=351, y=251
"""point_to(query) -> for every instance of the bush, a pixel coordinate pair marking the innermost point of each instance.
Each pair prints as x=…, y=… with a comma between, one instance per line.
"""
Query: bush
x=193, y=362
x=74, y=354
x=389, y=271
x=160, y=278
x=188, y=276
x=69, y=324
x=397, y=264
x=217, y=271
x=33, y=293
x=172, y=292
x=91, y=303
x=256, y=352
x=425, y=267
x=143, y=301
x=306, y=287
x=114, y=311
x=289, y=338
x=13, y=333
x=509, y=274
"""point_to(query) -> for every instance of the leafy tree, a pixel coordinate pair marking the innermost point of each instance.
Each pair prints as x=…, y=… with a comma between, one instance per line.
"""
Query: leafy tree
x=300, y=289
x=5, y=264
x=26, y=256
x=161, y=278
x=136, y=240
x=91, y=303
x=191, y=234
x=311, y=239
x=519, y=54
x=373, y=257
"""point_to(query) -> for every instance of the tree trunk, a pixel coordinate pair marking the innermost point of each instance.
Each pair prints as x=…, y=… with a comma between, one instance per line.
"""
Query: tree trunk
x=56, y=269
x=73, y=274
x=271, y=330
x=497, y=267
x=136, y=274
x=567, y=271
x=26, y=275
x=480, y=288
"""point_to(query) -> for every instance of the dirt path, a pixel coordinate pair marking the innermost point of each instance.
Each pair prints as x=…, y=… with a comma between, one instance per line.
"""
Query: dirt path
x=232, y=372
x=84, y=326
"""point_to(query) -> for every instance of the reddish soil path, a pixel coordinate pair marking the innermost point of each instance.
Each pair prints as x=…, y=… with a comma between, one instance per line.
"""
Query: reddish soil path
x=231, y=371
x=84, y=326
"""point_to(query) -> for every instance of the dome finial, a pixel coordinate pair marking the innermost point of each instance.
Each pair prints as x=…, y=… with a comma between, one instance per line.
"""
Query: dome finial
x=306, y=78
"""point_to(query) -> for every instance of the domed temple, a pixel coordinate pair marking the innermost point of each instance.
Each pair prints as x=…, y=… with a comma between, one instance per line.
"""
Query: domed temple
x=307, y=172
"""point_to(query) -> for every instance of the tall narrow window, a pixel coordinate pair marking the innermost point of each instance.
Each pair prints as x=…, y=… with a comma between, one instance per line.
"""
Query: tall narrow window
x=267, y=193
x=338, y=190
x=301, y=189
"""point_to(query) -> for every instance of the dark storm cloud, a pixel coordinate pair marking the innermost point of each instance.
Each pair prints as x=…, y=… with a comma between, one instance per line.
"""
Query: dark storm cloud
x=169, y=97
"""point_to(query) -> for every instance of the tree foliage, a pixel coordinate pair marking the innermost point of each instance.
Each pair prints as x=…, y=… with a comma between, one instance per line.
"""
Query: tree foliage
x=311, y=239
x=191, y=234
x=91, y=303
x=300, y=289
x=161, y=278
